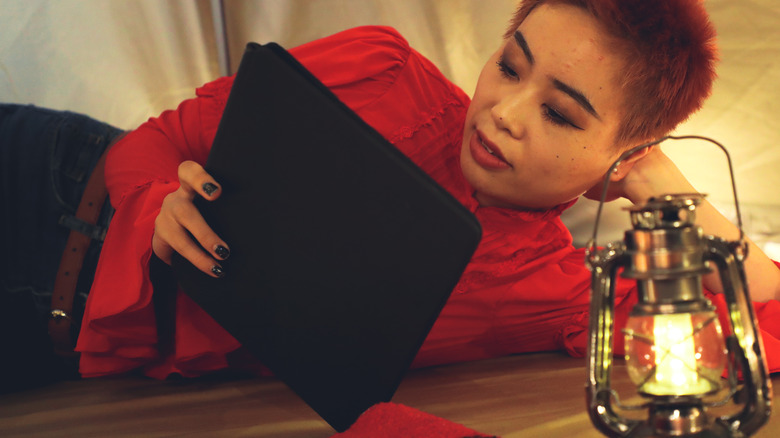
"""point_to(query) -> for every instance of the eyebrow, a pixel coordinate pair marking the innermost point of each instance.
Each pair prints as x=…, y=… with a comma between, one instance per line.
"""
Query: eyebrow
x=578, y=96
x=520, y=39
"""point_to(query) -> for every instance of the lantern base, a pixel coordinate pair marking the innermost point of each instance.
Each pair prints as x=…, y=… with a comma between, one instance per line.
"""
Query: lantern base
x=679, y=420
x=713, y=431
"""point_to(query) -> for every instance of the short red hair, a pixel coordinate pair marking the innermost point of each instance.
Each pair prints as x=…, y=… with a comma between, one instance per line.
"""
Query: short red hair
x=670, y=54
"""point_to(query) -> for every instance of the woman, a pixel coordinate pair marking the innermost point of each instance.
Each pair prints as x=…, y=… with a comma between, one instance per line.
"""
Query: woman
x=570, y=88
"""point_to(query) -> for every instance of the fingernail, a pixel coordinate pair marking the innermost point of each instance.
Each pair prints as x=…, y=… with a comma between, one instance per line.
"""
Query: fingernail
x=217, y=270
x=222, y=252
x=209, y=188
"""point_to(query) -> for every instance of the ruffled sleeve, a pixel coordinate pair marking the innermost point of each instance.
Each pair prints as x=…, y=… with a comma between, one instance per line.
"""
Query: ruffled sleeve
x=120, y=329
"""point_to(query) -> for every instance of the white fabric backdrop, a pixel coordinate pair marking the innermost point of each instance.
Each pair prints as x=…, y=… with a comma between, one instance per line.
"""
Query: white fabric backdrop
x=122, y=61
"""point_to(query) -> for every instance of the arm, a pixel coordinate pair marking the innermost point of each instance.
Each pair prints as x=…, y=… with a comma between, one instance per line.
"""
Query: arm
x=157, y=170
x=180, y=143
x=655, y=174
x=119, y=328
x=168, y=151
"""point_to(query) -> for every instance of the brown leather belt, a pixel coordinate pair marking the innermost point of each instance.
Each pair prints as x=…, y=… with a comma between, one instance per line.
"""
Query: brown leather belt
x=79, y=239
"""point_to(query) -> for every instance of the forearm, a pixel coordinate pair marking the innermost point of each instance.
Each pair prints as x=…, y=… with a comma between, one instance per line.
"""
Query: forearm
x=657, y=175
x=762, y=274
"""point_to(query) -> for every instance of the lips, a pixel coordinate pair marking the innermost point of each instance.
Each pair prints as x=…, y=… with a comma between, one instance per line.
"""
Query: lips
x=486, y=153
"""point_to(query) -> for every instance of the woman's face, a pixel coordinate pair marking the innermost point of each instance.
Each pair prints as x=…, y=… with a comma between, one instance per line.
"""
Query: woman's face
x=541, y=127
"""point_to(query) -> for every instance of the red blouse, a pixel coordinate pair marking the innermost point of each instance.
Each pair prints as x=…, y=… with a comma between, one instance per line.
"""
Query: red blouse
x=526, y=288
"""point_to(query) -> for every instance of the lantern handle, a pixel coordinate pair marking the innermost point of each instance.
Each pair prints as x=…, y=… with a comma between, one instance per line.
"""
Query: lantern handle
x=592, y=245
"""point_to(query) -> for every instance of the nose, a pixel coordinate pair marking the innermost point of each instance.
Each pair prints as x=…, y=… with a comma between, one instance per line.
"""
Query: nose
x=510, y=114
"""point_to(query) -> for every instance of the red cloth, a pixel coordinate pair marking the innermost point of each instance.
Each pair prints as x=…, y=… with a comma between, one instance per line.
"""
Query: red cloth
x=390, y=420
x=526, y=288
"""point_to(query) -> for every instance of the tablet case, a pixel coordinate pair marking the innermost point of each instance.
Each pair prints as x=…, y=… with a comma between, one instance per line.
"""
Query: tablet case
x=343, y=251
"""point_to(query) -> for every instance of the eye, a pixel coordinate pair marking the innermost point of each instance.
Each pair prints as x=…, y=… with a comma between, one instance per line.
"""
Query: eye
x=505, y=69
x=556, y=118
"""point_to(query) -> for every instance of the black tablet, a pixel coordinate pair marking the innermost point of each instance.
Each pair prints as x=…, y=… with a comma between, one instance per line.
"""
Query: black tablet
x=343, y=251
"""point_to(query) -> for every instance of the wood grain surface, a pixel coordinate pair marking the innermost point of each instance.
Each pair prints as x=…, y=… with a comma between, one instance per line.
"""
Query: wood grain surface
x=537, y=395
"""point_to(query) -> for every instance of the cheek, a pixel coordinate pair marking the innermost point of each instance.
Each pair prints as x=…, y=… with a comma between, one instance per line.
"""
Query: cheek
x=583, y=156
x=470, y=112
x=575, y=164
x=488, y=85
x=551, y=165
x=565, y=159
x=590, y=168
x=476, y=106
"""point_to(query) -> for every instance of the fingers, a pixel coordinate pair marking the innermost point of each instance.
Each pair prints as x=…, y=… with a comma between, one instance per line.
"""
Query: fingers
x=177, y=224
x=195, y=180
x=179, y=221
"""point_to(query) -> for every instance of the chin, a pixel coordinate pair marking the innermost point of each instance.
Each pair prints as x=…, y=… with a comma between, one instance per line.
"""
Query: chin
x=485, y=185
x=482, y=188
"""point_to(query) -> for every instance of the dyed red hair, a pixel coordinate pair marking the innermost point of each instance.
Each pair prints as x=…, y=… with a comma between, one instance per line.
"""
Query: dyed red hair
x=669, y=52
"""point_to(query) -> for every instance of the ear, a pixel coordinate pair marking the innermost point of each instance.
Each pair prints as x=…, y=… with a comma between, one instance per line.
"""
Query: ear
x=627, y=164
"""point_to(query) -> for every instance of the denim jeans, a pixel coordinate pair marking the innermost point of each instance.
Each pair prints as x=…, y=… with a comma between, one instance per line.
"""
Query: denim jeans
x=46, y=158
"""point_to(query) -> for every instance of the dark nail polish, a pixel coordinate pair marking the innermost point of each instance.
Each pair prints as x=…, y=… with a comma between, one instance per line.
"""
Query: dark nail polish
x=217, y=270
x=209, y=188
x=222, y=252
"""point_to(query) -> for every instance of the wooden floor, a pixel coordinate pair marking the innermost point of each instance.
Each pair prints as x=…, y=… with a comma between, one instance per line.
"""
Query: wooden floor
x=539, y=395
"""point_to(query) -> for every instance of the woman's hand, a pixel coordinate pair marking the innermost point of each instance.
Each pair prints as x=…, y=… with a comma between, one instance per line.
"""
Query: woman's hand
x=178, y=218
x=654, y=174
x=647, y=173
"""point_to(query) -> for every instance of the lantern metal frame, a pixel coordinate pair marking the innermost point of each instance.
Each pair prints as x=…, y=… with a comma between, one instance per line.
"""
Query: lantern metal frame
x=675, y=415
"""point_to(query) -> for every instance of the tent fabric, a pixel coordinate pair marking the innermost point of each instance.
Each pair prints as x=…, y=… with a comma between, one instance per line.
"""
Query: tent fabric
x=124, y=61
